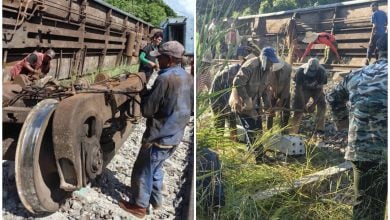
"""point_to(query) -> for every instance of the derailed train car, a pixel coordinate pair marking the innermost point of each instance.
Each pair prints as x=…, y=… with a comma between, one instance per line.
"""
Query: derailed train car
x=87, y=35
x=349, y=21
x=62, y=137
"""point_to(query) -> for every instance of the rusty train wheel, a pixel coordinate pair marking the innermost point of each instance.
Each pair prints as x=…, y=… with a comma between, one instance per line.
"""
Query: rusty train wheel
x=36, y=174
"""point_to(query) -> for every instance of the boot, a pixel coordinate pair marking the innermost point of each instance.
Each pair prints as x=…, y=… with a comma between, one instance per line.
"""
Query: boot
x=133, y=209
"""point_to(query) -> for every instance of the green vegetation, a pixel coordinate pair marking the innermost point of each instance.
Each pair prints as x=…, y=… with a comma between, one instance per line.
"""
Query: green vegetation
x=112, y=72
x=237, y=8
x=152, y=11
x=242, y=178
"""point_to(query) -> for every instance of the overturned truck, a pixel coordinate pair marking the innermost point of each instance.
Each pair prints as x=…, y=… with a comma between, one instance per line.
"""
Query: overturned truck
x=62, y=138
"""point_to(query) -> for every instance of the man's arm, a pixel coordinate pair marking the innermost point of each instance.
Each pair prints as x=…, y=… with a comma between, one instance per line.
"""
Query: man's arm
x=142, y=58
x=337, y=99
x=31, y=59
x=151, y=101
x=240, y=81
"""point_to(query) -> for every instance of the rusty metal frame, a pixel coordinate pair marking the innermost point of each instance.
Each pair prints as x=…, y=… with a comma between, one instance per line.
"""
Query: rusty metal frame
x=73, y=112
x=73, y=28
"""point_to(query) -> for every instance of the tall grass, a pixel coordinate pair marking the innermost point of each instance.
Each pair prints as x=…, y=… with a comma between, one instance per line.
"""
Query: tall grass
x=111, y=72
x=243, y=178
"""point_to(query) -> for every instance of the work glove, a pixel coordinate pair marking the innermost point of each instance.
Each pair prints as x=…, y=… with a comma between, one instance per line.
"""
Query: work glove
x=235, y=101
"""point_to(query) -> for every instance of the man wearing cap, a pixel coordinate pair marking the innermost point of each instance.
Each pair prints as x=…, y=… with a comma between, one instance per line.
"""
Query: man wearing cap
x=34, y=65
x=167, y=107
x=250, y=84
x=360, y=101
x=309, y=81
x=379, y=23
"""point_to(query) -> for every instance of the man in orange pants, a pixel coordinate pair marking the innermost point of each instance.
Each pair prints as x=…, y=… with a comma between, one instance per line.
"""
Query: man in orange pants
x=319, y=38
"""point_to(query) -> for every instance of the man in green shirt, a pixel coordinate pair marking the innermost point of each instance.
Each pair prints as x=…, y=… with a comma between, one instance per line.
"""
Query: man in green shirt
x=148, y=62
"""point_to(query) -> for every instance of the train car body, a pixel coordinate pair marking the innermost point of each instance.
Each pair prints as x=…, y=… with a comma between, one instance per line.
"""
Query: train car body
x=180, y=29
x=87, y=35
x=350, y=22
x=62, y=137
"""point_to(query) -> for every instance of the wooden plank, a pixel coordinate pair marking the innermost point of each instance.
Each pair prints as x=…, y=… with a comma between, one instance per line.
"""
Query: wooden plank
x=101, y=46
x=342, y=46
x=32, y=42
x=108, y=23
x=352, y=36
x=99, y=37
x=306, y=180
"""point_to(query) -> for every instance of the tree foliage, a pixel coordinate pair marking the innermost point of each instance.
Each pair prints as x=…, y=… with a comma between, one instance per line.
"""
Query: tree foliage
x=152, y=11
x=237, y=8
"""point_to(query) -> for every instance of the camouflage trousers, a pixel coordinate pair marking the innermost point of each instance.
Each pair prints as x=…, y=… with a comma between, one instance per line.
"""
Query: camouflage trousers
x=370, y=186
x=319, y=102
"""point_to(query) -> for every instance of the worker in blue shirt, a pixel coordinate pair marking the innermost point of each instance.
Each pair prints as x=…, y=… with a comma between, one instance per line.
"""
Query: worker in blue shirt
x=379, y=23
x=167, y=108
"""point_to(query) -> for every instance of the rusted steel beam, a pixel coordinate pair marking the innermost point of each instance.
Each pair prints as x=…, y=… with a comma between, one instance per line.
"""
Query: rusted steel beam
x=125, y=30
x=130, y=43
x=71, y=64
x=99, y=37
x=81, y=34
x=106, y=38
x=71, y=27
x=15, y=114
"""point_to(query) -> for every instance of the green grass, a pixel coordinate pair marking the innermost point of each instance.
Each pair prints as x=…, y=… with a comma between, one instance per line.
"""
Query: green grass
x=243, y=178
x=90, y=76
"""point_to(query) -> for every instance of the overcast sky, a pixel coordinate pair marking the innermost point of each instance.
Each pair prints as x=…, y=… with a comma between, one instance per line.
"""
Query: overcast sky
x=182, y=7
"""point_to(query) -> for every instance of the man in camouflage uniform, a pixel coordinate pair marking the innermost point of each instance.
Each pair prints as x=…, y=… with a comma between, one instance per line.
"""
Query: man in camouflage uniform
x=248, y=85
x=309, y=81
x=220, y=91
x=364, y=93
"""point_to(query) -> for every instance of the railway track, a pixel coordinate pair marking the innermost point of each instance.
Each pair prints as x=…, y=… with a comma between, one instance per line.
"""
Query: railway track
x=88, y=36
x=100, y=200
